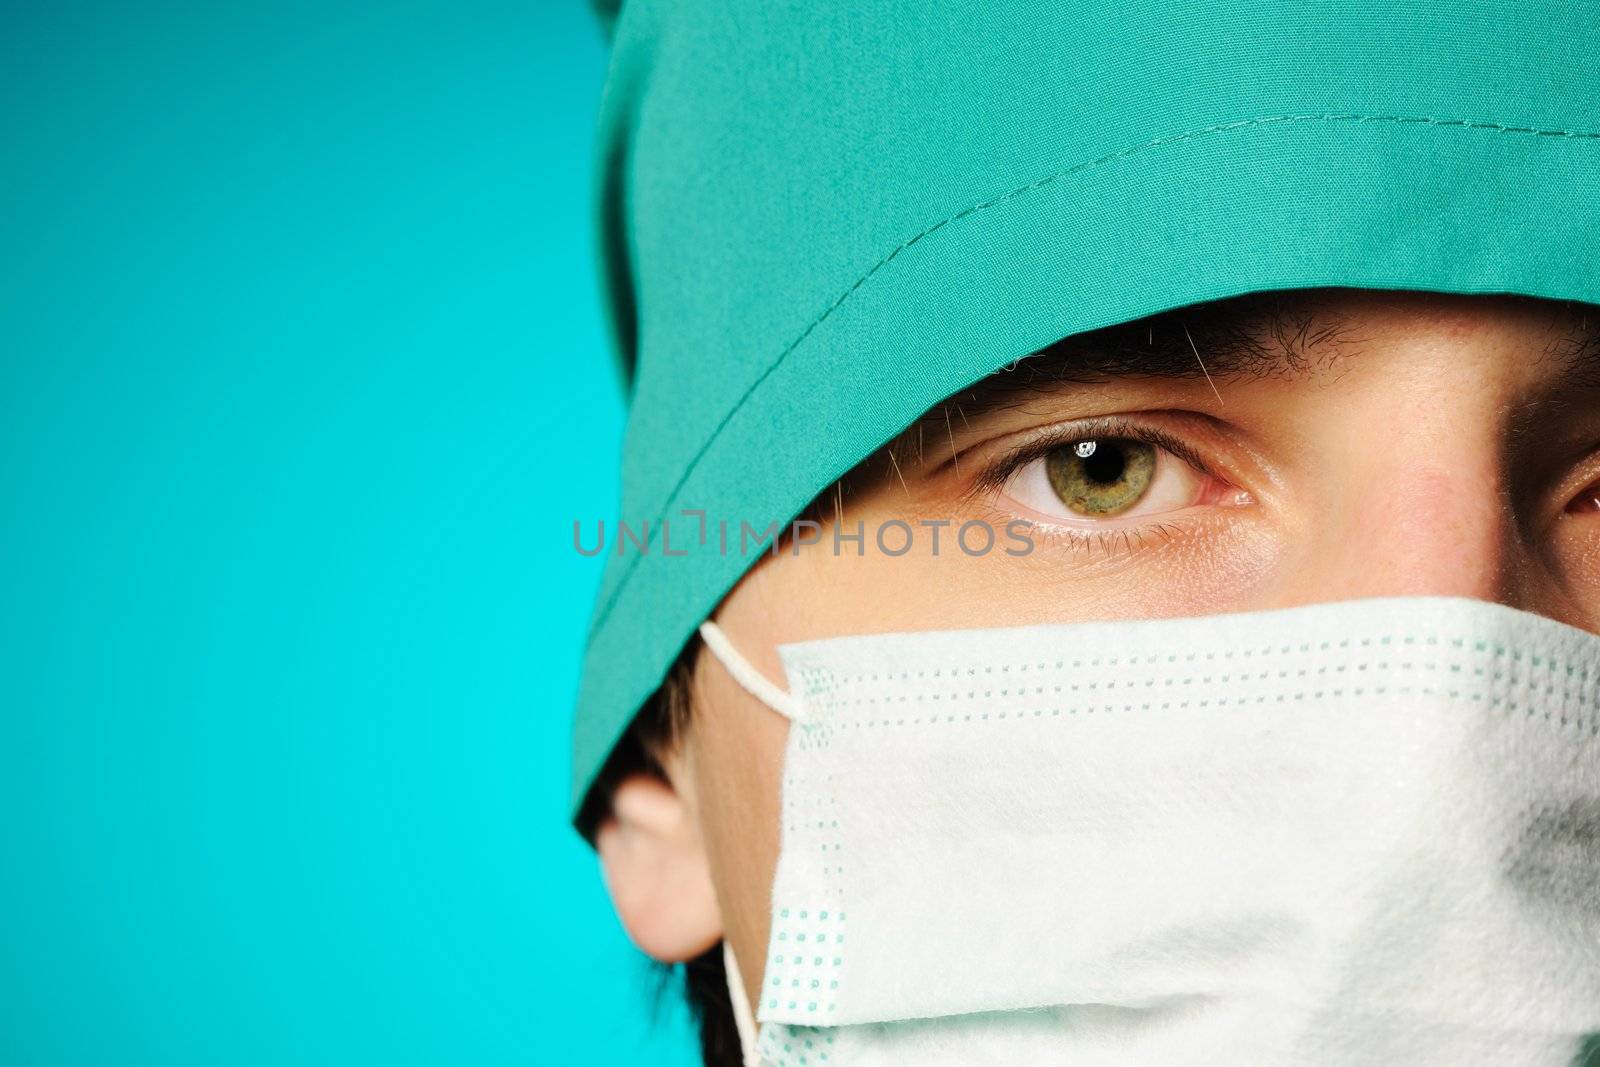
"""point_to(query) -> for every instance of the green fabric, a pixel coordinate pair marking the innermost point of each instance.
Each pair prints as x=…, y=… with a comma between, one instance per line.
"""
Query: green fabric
x=819, y=219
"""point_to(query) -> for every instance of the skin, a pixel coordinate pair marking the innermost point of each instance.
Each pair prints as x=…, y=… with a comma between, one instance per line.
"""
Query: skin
x=1441, y=446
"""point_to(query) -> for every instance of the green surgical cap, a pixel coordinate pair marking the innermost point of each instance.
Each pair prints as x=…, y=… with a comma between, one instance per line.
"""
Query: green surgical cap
x=820, y=219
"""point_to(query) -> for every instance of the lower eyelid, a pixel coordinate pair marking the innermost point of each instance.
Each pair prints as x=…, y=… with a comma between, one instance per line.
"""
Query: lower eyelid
x=1110, y=526
x=1112, y=540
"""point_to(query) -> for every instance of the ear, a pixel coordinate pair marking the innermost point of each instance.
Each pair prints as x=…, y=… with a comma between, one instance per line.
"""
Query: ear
x=656, y=869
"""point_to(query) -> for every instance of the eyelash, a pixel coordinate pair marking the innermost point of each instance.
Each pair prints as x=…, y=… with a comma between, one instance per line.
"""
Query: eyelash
x=1001, y=470
x=1124, y=539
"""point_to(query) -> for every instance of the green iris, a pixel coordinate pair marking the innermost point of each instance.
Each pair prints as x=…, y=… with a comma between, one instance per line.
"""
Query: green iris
x=1103, y=476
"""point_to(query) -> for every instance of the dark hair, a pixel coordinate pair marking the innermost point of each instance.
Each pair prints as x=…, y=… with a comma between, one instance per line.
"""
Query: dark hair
x=656, y=727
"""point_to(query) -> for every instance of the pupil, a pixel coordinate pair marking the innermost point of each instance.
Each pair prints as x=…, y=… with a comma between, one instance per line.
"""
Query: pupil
x=1105, y=466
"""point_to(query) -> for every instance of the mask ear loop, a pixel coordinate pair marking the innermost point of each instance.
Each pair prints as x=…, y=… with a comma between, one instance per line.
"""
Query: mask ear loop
x=743, y=672
x=744, y=1020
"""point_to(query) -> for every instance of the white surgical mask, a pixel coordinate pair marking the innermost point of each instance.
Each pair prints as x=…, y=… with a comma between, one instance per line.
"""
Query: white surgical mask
x=1364, y=832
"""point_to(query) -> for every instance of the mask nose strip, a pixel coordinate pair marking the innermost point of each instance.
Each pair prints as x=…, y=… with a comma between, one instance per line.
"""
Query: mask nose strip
x=743, y=672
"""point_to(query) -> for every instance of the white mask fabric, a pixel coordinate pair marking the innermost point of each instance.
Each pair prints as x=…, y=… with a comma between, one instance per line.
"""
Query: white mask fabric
x=1356, y=832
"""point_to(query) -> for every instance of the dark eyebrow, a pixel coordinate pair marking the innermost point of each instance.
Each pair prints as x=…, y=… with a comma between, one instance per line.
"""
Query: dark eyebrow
x=1280, y=334
x=1579, y=346
x=1273, y=334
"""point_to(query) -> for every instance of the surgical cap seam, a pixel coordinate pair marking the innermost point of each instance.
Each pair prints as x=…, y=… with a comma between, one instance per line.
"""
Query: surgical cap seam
x=604, y=614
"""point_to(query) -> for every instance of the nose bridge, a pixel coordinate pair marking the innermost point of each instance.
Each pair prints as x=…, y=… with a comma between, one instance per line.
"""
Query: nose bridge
x=1450, y=532
x=1429, y=515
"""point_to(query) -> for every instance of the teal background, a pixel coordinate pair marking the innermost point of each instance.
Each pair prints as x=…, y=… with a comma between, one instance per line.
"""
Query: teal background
x=304, y=384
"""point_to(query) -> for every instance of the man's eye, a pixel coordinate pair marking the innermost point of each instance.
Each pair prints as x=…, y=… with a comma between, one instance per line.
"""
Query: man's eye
x=1106, y=477
x=1101, y=477
x=1586, y=502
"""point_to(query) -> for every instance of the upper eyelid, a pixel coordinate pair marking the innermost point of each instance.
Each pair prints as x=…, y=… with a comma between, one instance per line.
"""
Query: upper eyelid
x=1586, y=490
x=997, y=471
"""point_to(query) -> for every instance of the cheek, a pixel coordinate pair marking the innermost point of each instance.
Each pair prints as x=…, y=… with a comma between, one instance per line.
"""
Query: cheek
x=1232, y=573
x=736, y=747
x=1578, y=564
x=1222, y=564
